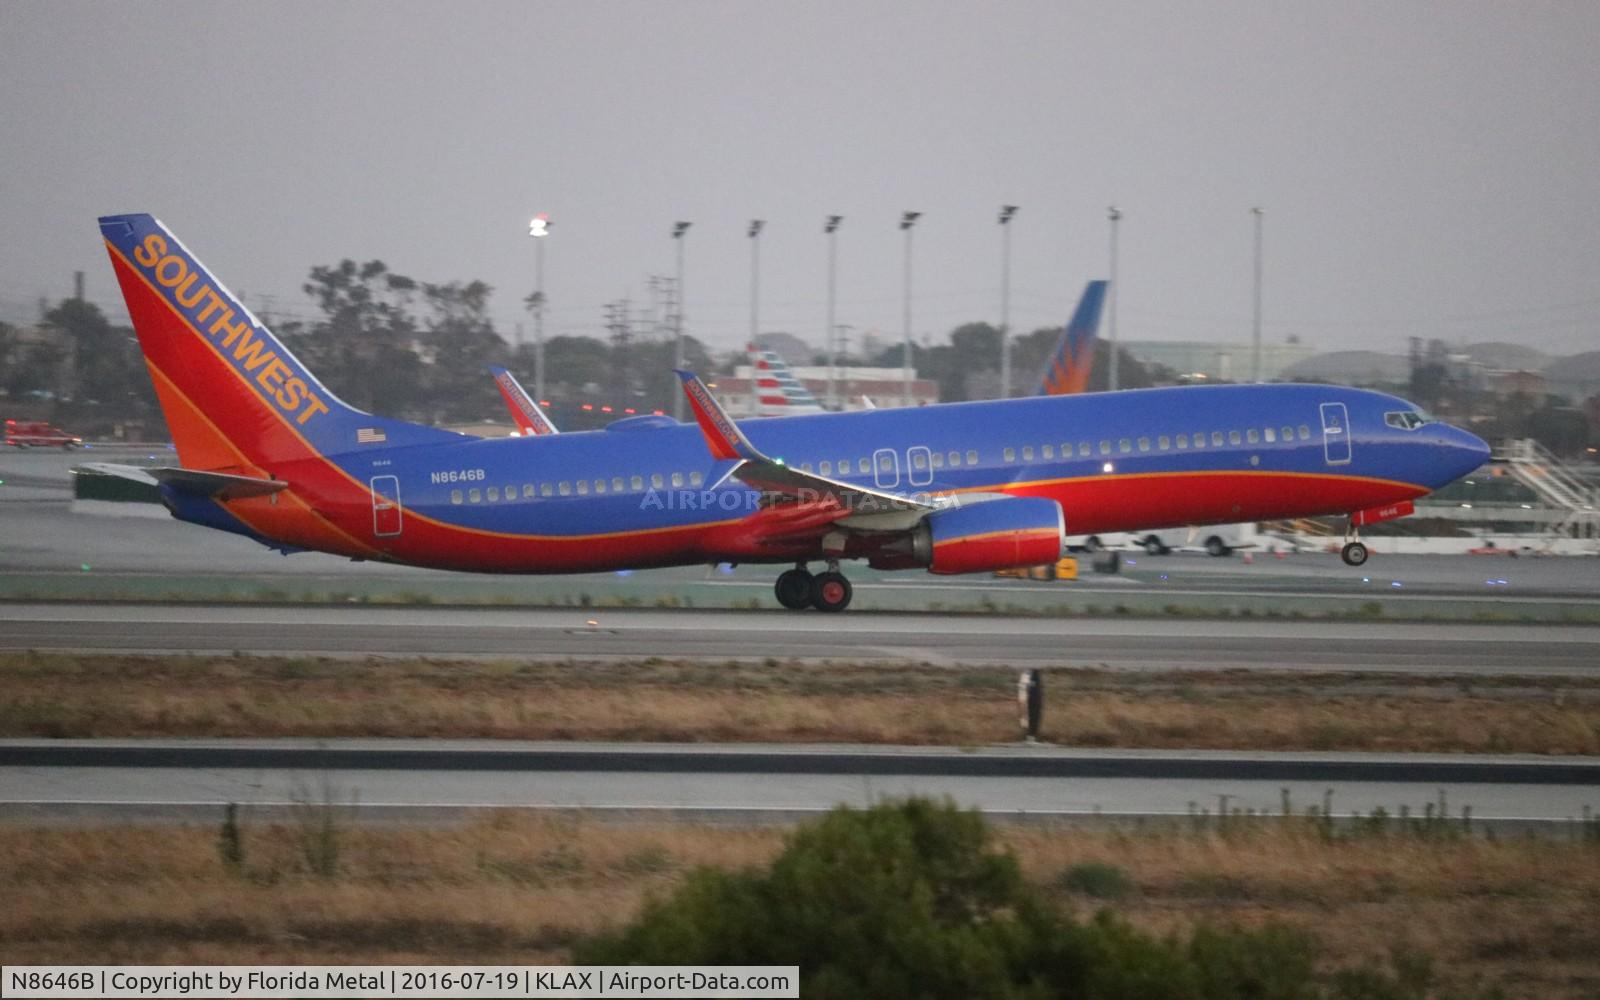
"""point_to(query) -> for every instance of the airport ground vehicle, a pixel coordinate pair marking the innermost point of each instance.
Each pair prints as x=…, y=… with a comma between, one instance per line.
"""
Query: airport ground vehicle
x=38, y=434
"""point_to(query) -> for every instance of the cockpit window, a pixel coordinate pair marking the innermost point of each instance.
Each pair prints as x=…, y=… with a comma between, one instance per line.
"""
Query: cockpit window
x=1406, y=420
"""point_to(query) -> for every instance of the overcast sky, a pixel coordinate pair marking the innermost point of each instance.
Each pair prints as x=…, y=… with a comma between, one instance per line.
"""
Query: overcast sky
x=1426, y=169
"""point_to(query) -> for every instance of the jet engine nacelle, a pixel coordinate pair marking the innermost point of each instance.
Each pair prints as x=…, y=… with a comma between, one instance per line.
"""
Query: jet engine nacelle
x=995, y=534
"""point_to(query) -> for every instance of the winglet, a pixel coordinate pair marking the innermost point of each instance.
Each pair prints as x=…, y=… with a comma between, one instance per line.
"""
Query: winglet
x=723, y=436
x=530, y=419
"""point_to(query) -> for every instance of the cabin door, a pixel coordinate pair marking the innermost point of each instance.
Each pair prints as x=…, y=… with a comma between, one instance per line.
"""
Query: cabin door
x=1335, y=434
x=386, y=512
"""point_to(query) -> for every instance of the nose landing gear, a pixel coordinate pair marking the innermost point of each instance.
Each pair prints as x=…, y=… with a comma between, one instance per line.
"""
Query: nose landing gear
x=797, y=589
x=1354, y=553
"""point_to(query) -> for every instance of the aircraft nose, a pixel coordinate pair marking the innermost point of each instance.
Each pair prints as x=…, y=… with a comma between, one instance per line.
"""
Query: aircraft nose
x=1468, y=451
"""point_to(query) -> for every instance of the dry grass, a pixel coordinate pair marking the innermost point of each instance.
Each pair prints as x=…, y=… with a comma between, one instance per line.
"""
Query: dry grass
x=521, y=888
x=243, y=696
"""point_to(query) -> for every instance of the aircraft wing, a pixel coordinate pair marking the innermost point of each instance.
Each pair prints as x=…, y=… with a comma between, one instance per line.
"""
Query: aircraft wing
x=728, y=443
x=221, y=485
x=530, y=419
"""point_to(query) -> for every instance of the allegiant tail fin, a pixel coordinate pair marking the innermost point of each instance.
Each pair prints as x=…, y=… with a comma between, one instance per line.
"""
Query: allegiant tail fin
x=1067, y=370
x=235, y=399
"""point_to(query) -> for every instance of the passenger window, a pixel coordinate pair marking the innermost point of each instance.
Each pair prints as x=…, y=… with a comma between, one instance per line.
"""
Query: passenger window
x=583, y=487
x=886, y=462
x=972, y=456
x=545, y=489
x=527, y=491
x=1105, y=447
x=455, y=496
x=677, y=479
x=1183, y=442
x=565, y=489
x=826, y=468
x=955, y=459
x=1047, y=451
x=844, y=466
x=1124, y=445
x=511, y=492
x=1305, y=433
x=616, y=484
x=494, y=493
x=863, y=466
x=637, y=482
x=599, y=485
x=919, y=459
x=1251, y=435
x=938, y=460
x=695, y=479
x=1271, y=434
x=1200, y=439
x=1010, y=454
x=1216, y=438
x=1027, y=454
x=1233, y=437
x=804, y=467
x=474, y=496
x=1144, y=444
x=1083, y=449
x=1163, y=442
x=656, y=480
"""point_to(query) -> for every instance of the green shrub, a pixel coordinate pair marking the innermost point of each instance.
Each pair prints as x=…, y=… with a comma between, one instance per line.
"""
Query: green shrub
x=911, y=899
x=1096, y=879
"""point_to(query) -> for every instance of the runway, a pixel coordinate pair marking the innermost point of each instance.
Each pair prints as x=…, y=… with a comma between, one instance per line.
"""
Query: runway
x=41, y=780
x=947, y=640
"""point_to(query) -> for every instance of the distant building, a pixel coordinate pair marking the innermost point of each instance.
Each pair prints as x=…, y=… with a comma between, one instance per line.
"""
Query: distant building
x=1351, y=368
x=1505, y=384
x=882, y=385
x=1217, y=361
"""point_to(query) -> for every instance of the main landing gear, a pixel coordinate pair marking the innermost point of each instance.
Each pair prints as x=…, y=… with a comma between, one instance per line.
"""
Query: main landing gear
x=798, y=589
x=1354, y=553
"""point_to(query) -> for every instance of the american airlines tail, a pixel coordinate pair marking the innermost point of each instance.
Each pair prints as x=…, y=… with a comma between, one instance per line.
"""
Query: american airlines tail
x=777, y=392
x=234, y=398
x=1067, y=370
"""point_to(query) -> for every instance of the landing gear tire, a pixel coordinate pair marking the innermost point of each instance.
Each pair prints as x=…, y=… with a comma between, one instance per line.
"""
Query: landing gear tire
x=794, y=589
x=1092, y=544
x=1153, y=547
x=1217, y=547
x=830, y=592
x=1353, y=553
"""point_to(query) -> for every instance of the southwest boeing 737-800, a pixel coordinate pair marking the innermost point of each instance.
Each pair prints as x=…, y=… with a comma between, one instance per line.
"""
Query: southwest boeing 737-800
x=267, y=451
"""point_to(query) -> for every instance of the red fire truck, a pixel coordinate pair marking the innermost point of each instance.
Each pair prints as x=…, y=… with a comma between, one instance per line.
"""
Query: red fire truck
x=38, y=434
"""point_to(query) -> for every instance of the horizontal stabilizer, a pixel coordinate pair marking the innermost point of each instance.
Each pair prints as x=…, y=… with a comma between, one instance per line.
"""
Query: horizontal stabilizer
x=221, y=485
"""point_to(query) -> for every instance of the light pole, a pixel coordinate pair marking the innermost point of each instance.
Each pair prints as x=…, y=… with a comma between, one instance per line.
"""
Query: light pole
x=1255, y=337
x=755, y=277
x=1115, y=215
x=830, y=228
x=1006, y=212
x=538, y=228
x=907, y=220
x=678, y=229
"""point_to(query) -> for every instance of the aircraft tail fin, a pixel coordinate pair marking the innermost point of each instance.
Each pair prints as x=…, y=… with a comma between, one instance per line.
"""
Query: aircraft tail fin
x=1067, y=370
x=233, y=396
x=777, y=392
x=525, y=411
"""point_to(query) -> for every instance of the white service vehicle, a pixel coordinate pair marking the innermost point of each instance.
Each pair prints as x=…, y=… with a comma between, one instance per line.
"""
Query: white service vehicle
x=1212, y=539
